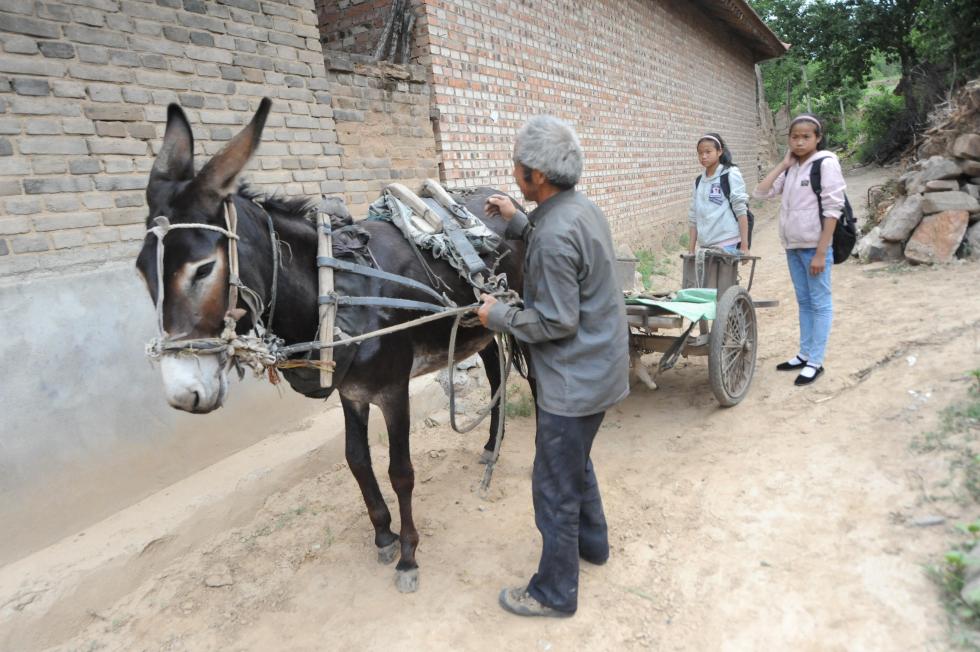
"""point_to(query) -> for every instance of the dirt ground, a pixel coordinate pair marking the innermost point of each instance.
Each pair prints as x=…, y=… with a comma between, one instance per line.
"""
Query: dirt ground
x=784, y=523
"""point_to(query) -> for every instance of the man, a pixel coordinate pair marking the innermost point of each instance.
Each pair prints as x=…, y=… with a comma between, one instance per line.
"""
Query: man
x=574, y=322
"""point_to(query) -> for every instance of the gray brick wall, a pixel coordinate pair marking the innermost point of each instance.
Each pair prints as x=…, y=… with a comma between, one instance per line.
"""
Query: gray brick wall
x=384, y=132
x=83, y=94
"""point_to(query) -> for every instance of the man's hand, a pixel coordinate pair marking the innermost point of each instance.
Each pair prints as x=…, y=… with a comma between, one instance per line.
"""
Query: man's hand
x=500, y=205
x=488, y=301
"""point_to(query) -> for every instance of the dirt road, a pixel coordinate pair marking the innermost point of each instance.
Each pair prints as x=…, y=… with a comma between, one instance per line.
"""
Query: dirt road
x=784, y=523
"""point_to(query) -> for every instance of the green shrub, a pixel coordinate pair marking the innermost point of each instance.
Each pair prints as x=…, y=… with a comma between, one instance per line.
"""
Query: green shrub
x=882, y=122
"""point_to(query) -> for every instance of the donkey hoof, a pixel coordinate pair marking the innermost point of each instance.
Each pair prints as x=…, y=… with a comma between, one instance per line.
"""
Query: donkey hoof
x=407, y=581
x=485, y=456
x=387, y=554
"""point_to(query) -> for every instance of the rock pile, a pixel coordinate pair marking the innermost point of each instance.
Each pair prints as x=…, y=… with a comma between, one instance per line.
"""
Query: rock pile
x=937, y=215
x=935, y=218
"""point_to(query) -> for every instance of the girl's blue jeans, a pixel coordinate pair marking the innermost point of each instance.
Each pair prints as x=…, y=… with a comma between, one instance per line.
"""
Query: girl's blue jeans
x=815, y=302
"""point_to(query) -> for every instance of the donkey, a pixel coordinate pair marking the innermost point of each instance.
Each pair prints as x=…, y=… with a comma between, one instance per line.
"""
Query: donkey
x=195, y=270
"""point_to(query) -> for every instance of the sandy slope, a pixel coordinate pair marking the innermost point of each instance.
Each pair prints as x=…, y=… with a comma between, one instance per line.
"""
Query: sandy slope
x=779, y=524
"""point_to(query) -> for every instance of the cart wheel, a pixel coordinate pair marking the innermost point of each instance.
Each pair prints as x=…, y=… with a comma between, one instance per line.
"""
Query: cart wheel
x=732, y=346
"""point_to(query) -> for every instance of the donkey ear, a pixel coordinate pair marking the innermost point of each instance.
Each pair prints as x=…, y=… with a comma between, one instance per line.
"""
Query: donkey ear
x=219, y=174
x=175, y=162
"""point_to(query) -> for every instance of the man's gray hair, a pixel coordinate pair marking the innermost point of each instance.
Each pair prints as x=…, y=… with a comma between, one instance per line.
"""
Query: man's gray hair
x=551, y=146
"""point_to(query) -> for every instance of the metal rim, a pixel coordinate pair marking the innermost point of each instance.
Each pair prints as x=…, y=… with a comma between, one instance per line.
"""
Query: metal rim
x=738, y=348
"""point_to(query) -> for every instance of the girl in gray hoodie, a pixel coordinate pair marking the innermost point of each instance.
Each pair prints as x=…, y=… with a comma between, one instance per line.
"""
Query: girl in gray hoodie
x=714, y=219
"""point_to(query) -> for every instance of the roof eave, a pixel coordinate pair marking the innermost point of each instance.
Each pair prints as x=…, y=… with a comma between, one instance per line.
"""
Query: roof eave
x=741, y=17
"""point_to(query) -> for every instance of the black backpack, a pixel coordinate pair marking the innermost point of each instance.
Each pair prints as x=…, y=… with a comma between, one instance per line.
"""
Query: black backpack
x=726, y=187
x=845, y=233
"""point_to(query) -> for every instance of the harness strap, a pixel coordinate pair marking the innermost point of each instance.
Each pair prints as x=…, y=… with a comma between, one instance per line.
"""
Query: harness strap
x=162, y=227
x=364, y=270
x=384, y=302
x=275, y=268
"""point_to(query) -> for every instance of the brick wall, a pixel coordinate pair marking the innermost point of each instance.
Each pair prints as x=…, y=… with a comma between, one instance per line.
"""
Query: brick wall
x=639, y=79
x=381, y=112
x=83, y=94
x=352, y=26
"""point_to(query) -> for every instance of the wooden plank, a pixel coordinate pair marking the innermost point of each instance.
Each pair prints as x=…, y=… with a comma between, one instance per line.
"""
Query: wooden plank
x=655, y=321
x=660, y=343
x=328, y=311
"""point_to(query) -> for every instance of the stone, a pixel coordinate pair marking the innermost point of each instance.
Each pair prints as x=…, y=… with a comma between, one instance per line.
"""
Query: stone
x=969, y=167
x=26, y=86
x=461, y=381
x=967, y=146
x=123, y=113
x=872, y=248
x=218, y=575
x=438, y=418
x=30, y=244
x=929, y=520
x=938, y=167
x=937, y=185
x=972, y=189
x=20, y=45
x=938, y=237
x=972, y=241
x=468, y=363
x=902, y=219
x=971, y=593
x=971, y=564
x=909, y=183
x=29, y=26
x=955, y=200
x=56, y=49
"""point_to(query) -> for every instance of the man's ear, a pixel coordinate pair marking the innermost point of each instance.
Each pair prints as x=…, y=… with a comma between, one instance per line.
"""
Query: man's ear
x=538, y=177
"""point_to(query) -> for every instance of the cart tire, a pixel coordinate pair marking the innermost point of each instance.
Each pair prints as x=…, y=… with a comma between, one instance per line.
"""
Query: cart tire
x=732, y=347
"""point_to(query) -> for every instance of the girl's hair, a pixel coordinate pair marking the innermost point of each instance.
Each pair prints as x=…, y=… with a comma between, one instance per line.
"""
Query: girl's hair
x=809, y=118
x=715, y=139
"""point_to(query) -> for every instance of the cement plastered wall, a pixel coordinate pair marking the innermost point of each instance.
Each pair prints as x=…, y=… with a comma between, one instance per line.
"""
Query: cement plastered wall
x=84, y=87
x=85, y=427
x=639, y=79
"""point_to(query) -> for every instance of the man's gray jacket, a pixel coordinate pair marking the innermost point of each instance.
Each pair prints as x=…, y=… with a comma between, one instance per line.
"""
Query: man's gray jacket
x=574, y=316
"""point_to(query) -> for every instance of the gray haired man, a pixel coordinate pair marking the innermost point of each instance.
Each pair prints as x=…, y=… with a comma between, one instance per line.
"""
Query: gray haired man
x=574, y=323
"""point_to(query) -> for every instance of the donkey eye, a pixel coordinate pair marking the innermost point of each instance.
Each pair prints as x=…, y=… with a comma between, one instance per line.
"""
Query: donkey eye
x=203, y=271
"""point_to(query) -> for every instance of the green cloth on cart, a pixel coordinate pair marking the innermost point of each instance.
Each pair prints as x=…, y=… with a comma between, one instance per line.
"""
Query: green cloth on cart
x=693, y=304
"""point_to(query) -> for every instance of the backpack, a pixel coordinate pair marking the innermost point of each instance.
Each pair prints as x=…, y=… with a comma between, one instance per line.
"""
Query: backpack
x=845, y=233
x=726, y=187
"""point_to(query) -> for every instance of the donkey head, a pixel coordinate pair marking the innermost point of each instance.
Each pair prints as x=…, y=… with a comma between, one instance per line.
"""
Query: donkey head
x=195, y=268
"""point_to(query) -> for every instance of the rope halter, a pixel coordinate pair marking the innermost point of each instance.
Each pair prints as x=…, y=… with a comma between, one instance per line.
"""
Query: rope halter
x=252, y=350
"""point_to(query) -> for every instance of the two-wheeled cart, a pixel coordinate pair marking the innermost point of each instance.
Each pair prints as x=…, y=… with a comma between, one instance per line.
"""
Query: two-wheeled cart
x=713, y=315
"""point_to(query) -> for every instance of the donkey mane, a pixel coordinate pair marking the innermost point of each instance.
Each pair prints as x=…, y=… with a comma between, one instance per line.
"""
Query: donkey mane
x=280, y=207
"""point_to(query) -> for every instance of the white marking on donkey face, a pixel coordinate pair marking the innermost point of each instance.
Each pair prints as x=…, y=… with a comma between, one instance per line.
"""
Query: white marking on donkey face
x=195, y=384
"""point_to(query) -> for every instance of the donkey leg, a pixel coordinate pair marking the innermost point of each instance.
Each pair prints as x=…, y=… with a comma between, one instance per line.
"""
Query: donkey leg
x=491, y=364
x=402, y=475
x=359, y=460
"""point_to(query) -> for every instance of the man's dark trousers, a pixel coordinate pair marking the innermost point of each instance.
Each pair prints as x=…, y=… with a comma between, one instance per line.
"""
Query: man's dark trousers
x=567, y=507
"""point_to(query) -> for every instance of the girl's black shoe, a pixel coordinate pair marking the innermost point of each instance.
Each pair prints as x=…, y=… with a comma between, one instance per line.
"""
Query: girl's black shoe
x=804, y=379
x=791, y=365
